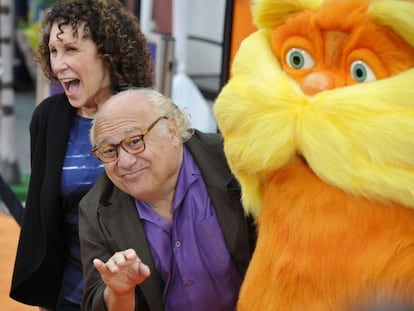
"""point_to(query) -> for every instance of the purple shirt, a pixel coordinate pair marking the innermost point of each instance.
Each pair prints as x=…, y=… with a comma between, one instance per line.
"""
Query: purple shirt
x=191, y=256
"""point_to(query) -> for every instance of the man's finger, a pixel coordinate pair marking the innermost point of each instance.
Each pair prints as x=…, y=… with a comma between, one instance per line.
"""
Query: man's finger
x=99, y=265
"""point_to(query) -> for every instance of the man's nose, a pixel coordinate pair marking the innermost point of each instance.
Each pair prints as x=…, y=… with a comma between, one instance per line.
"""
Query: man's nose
x=125, y=159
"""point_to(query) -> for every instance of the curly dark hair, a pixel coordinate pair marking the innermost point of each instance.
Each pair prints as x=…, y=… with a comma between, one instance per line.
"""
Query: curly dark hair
x=115, y=31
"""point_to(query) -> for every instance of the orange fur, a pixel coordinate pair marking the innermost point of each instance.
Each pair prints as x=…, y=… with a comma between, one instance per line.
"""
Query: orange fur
x=360, y=38
x=335, y=227
x=324, y=249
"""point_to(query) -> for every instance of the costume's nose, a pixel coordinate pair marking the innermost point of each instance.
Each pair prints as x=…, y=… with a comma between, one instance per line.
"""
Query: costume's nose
x=316, y=82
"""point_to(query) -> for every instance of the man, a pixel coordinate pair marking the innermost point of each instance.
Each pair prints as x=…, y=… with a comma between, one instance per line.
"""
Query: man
x=163, y=228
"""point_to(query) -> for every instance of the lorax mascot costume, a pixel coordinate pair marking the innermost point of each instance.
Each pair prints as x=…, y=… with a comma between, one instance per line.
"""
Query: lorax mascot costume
x=318, y=124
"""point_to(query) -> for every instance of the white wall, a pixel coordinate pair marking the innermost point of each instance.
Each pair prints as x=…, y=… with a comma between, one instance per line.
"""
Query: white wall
x=206, y=20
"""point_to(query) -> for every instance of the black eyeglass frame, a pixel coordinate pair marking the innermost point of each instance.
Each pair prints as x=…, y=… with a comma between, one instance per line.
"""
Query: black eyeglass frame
x=96, y=153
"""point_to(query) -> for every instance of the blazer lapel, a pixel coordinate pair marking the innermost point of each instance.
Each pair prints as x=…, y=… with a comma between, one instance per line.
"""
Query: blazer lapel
x=233, y=223
x=121, y=219
x=225, y=193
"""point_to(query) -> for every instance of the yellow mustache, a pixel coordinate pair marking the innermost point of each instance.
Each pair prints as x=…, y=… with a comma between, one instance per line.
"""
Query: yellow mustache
x=358, y=138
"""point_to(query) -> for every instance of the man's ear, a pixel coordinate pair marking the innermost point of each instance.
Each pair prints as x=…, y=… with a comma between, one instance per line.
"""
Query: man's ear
x=173, y=130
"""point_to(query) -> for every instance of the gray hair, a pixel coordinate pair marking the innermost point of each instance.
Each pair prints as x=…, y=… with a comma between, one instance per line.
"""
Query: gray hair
x=165, y=105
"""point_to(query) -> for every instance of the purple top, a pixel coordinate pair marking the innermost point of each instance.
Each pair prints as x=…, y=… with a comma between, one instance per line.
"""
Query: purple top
x=191, y=256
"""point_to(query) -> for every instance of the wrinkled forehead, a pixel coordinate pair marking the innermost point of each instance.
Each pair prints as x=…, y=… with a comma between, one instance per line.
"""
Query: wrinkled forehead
x=127, y=102
x=112, y=129
x=122, y=113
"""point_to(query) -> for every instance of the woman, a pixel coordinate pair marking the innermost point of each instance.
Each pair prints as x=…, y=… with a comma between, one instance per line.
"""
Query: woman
x=93, y=48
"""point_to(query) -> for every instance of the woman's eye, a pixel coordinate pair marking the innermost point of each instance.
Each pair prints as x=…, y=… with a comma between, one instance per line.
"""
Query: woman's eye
x=361, y=72
x=71, y=49
x=299, y=59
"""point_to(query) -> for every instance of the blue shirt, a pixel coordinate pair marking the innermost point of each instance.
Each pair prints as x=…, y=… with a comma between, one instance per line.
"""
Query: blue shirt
x=191, y=255
x=80, y=171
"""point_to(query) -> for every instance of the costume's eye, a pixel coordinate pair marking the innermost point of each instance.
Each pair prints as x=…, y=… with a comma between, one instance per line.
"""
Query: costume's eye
x=299, y=59
x=361, y=72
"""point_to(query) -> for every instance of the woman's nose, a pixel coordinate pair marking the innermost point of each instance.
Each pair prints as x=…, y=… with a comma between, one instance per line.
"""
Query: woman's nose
x=58, y=63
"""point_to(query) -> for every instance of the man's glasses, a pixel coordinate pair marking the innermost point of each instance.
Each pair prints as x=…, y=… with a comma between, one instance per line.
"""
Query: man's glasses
x=132, y=145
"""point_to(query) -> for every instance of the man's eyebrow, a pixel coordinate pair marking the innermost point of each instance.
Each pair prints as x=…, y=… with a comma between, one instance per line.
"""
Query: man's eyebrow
x=126, y=133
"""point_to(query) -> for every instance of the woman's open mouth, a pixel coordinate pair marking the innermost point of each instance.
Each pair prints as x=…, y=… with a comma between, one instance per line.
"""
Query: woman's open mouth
x=70, y=86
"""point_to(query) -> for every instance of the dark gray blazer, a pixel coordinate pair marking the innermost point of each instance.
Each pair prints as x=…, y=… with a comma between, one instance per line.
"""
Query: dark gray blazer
x=109, y=222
